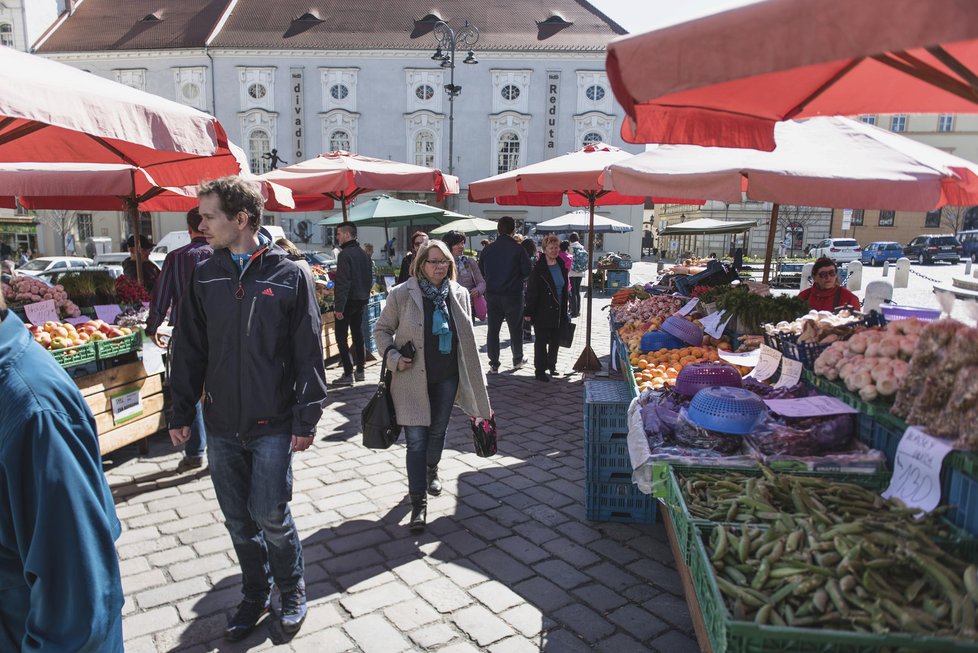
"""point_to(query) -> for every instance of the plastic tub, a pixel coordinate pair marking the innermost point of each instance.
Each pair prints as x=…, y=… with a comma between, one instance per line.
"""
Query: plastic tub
x=695, y=377
x=656, y=340
x=892, y=313
x=726, y=410
x=683, y=329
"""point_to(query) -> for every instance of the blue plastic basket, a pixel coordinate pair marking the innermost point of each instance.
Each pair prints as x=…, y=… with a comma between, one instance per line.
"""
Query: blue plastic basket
x=616, y=279
x=605, y=410
x=656, y=340
x=726, y=410
x=683, y=329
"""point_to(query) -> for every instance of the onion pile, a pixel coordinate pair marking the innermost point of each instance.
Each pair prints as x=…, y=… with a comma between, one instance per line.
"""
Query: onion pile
x=28, y=290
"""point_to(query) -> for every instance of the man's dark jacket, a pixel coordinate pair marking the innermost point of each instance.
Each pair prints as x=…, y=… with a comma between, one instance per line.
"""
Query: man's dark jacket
x=252, y=341
x=505, y=266
x=354, y=275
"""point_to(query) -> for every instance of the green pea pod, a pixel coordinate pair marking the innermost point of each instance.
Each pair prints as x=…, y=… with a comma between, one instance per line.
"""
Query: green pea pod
x=743, y=547
x=821, y=600
x=784, y=592
x=762, y=575
x=763, y=615
x=720, y=550
x=832, y=587
x=970, y=577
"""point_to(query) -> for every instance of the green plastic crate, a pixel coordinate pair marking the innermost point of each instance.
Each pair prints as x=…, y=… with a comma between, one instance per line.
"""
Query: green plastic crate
x=626, y=369
x=727, y=635
x=115, y=347
x=71, y=356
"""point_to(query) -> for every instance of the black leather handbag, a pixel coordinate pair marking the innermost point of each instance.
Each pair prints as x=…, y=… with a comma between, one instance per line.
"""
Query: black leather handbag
x=378, y=420
x=565, y=333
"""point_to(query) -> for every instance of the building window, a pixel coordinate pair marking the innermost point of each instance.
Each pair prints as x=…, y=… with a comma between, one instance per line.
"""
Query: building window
x=259, y=144
x=869, y=119
x=591, y=137
x=85, y=227
x=510, y=92
x=595, y=93
x=257, y=91
x=339, y=140
x=424, y=92
x=509, y=153
x=339, y=91
x=7, y=35
x=945, y=122
x=190, y=91
x=424, y=149
x=886, y=218
x=898, y=123
x=858, y=215
x=933, y=218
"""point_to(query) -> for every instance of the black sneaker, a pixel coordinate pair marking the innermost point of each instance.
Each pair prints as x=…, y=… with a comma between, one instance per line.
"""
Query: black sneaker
x=494, y=369
x=346, y=379
x=248, y=615
x=189, y=462
x=294, y=609
x=359, y=375
x=542, y=376
x=520, y=363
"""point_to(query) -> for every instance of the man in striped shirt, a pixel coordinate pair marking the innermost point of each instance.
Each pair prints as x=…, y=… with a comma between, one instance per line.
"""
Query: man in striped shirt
x=167, y=295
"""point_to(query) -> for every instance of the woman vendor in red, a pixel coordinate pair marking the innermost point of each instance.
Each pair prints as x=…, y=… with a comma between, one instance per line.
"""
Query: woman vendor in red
x=827, y=294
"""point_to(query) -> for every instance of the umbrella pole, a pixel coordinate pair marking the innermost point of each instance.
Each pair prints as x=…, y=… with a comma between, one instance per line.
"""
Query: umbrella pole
x=588, y=360
x=133, y=212
x=771, y=233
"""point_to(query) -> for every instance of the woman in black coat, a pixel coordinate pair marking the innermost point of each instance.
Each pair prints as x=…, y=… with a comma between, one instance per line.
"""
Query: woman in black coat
x=546, y=306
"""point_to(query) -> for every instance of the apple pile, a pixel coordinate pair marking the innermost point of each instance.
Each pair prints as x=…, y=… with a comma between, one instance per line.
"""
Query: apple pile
x=62, y=335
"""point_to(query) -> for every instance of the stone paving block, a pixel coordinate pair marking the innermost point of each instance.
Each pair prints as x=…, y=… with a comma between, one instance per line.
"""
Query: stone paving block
x=580, y=533
x=543, y=594
x=480, y=502
x=661, y=576
x=526, y=619
x=599, y=597
x=373, y=634
x=216, y=601
x=337, y=565
x=496, y=596
x=519, y=501
x=133, y=566
x=640, y=623
x=413, y=571
x=171, y=593
x=675, y=642
x=561, y=573
x=672, y=609
x=572, y=554
x=170, y=498
x=621, y=643
x=485, y=528
x=137, y=582
x=357, y=510
x=507, y=516
x=150, y=519
x=521, y=549
x=611, y=575
x=411, y=614
x=170, y=556
x=481, y=625
x=211, y=545
x=585, y=622
x=338, y=501
x=144, y=644
x=614, y=551
x=132, y=536
x=515, y=644
x=201, y=534
x=564, y=641
x=150, y=621
x=197, y=632
x=126, y=511
x=464, y=575
x=460, y=647
x=432, y=636
x=330, y=640
x=546, y=515
x=443, y=595
x=364, y=579
x=358, y=541
x=501, y=566
x=198, y=566
x=375, y=598
x=196, y=521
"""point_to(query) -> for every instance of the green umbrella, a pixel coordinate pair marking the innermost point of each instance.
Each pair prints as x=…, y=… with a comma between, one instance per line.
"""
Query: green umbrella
x=468, y=225
x=385, y=211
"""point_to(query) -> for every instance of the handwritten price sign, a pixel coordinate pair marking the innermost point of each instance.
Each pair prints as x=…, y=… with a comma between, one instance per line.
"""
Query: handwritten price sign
x=767, y=364
x=917, y=469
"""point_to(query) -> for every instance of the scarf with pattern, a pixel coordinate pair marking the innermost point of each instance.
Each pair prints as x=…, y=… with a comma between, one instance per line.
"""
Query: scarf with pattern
x=439, y=318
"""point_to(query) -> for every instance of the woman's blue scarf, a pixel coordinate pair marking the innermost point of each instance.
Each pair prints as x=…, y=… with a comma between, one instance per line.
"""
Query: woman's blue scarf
x=439, y=318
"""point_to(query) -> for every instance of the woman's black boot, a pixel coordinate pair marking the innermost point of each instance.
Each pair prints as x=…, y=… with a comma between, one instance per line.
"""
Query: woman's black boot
x=434, y=483
x=419, y=513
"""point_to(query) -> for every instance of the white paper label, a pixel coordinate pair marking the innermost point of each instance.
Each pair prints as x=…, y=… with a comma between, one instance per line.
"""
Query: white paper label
x=712, y=326
x=745, y=359
x=790, y=373
x=815, y=406
x=688, y=308
x=126, y=405
x=40, y=312
x=107, y=312
x=767, y=363
x=917, y=469
x=152, y=357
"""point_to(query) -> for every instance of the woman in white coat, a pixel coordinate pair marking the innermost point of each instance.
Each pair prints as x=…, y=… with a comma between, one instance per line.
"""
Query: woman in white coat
x=432, y=312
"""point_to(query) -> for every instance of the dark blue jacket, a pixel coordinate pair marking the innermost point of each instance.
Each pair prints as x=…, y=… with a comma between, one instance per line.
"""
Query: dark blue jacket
x=505, y=266
x=60, y=588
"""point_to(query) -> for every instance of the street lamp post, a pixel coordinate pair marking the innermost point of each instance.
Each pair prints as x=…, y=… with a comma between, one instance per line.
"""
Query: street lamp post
x=448, y=41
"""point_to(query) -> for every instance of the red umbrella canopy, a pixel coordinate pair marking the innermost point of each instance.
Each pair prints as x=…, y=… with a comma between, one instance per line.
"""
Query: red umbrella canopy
x=724, y=80
x=51, y=112
x=342, y=176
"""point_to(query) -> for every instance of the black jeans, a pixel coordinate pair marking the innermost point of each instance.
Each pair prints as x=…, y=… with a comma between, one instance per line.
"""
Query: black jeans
x=510, y=309
x=545, y=349
x=575, y=296
x=352, y=322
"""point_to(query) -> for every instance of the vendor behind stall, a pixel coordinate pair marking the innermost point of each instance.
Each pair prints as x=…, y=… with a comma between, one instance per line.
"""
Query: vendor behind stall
x=826, y=294
x=140, y=256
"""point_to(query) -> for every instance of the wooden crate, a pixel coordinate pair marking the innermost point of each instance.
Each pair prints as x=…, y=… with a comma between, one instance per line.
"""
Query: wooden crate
x=98, y=390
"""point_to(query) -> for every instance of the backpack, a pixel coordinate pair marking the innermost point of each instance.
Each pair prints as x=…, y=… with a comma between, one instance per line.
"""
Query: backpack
x=580, y=261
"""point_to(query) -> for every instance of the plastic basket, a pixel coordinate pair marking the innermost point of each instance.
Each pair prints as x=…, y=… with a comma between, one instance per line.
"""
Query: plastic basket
x=727, y=410
x=695, y=377
x=605, y=410
x=608, y=462
x=656, y=340
x=627, y=373
x=684, y=330
x=625, y=264
x=891, y=313
x=71, y=356
x=615, y=279
x=772, y=341
x=618, y=502
x=803, y=352
x=115, y=347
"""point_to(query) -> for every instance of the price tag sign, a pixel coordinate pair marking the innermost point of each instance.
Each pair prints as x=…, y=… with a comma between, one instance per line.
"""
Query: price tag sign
x=126, y=405
x=712, y=326
x=815, y=406
x=688, y=308
x=917, y=469
x=745, y=359
x=790, y=373
x=40, y=312
x=107, y=312
x=767, y=363
x=81, y=319
x=152, y=357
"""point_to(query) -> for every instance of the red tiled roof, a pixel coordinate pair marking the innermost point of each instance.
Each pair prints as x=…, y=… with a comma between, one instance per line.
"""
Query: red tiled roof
x=99, y=25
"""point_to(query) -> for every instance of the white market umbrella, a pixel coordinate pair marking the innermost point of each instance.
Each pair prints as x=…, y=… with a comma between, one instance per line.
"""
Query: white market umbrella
x=578, y=221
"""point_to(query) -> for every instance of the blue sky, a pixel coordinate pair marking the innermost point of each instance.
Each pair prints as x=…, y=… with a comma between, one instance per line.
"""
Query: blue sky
x=644, y=15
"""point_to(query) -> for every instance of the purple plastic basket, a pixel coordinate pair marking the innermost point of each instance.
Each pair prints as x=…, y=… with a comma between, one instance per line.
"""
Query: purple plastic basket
x=892, y=313
x=693, y=378
x=726, y=410
x=656, y=340
x=684, y=330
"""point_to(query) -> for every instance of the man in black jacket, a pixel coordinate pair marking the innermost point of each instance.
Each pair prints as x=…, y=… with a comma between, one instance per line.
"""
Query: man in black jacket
x=354, y=277
x=505, y=266
x=250, y=342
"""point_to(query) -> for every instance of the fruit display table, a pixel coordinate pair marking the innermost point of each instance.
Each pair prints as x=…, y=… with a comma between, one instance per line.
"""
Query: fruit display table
x=127, y=403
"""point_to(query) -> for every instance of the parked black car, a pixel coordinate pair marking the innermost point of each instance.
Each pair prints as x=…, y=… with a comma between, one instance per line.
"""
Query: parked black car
x=927, y=249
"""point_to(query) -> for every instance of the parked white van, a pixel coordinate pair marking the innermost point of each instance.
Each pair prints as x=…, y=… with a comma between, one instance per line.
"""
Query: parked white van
x=177, y=239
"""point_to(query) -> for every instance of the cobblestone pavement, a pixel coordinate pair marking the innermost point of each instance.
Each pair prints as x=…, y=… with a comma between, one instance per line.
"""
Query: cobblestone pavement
x=509, y=562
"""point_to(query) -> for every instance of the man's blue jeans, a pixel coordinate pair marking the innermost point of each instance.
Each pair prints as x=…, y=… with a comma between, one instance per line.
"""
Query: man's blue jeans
x=253, y=482
x=510, y=309
x=425, y=443
x=198, y=435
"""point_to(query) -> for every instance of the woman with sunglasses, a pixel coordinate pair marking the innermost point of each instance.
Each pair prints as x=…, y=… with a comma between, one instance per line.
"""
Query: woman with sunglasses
x=826, y=294
x=418, y=238
x=430, y=312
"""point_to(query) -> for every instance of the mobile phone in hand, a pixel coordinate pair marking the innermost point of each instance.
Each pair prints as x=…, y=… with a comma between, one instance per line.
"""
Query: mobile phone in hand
x=407, y=350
